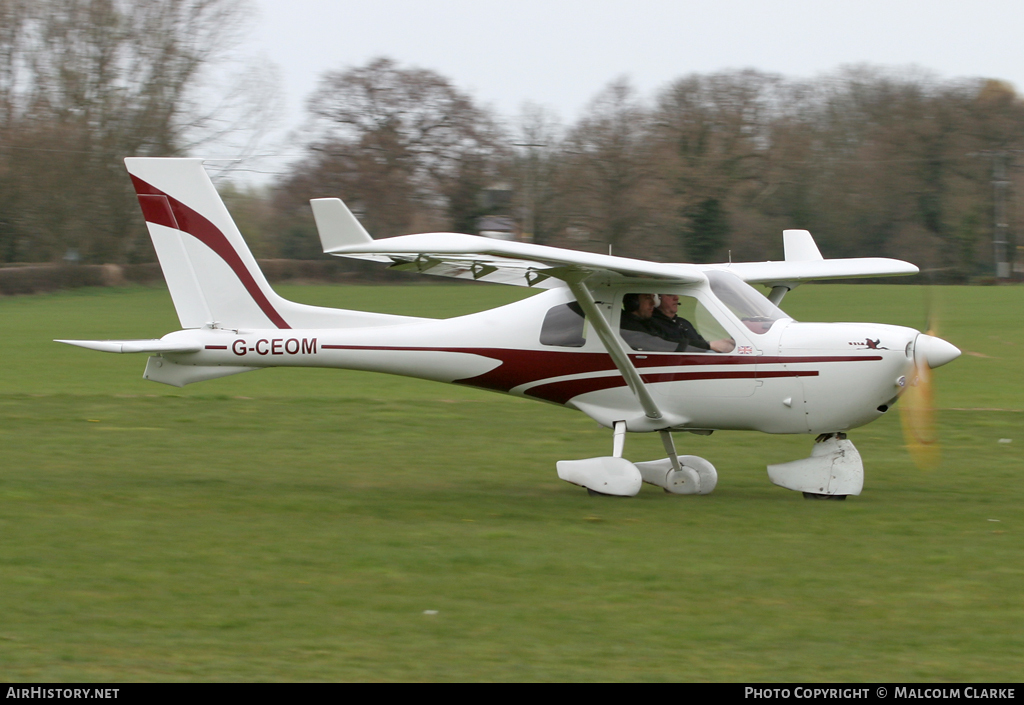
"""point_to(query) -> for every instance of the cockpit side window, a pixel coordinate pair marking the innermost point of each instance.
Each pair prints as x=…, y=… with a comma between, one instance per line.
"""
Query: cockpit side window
x=671, y=323
x=564, y=326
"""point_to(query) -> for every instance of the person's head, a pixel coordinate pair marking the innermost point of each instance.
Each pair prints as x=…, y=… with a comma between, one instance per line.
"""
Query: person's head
x=639, y=305
x=669, y=305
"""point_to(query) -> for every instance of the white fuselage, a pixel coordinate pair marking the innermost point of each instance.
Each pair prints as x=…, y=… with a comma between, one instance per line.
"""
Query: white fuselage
x=794, y=378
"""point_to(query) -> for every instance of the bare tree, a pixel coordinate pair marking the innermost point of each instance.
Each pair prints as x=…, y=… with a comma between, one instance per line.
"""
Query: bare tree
x=880, y=162
x=606, y=180
x=85, y=83
x=403, y=144
x=712, y=135
x=535, y=169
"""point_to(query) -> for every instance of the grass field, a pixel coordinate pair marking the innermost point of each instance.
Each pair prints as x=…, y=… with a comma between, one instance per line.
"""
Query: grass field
x=297, y=524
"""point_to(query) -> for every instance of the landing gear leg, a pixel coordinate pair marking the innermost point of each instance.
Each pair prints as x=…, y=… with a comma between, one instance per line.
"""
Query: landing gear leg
x=618, y=439
x=670, y=448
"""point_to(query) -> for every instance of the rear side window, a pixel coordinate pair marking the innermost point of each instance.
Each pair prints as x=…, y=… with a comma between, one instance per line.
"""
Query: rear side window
x=564, y=326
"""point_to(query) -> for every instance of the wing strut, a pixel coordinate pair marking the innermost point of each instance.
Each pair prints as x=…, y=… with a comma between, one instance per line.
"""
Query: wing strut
x=615, y=346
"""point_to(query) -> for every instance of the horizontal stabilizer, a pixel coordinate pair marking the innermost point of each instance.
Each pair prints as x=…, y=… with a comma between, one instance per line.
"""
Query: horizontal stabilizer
x=136, y=346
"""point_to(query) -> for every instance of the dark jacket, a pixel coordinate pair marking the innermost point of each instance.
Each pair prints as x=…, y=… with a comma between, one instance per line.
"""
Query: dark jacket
x=677, y=330
x=641, y=334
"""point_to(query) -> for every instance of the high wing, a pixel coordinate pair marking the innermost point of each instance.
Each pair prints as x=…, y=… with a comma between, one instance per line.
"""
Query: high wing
x=804, y=263
x=525, y=264
x=518, y=263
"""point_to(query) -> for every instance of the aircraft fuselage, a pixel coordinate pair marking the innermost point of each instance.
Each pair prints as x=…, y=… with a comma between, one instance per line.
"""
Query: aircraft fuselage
x=794, y=378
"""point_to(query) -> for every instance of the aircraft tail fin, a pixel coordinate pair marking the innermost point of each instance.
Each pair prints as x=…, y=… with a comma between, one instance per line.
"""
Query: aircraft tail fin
x=213, y=278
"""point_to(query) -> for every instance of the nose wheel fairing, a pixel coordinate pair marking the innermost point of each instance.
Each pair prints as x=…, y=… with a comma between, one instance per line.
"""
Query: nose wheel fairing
x=833, y=469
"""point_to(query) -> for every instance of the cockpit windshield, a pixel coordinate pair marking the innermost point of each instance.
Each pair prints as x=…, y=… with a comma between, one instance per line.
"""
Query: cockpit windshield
x=747, y=303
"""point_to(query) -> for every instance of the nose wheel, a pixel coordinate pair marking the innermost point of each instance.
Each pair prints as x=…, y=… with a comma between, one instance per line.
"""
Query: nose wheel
x=833, y=471
x=835, y=497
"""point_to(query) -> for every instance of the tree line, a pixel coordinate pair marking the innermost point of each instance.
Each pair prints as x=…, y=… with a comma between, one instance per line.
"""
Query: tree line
x=873, y=161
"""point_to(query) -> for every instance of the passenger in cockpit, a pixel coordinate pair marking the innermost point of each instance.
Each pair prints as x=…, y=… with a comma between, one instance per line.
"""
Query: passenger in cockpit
x=667, y=324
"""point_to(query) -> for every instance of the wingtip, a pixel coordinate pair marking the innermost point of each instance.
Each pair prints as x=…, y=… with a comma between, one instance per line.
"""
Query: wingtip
x=336, y=224
x=800, y=246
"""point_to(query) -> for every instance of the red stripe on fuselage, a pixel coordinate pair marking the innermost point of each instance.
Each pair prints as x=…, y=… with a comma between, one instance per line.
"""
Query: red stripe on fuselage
x=517, y=366
x=562, y=392
x=189, y=221
x=520, y=367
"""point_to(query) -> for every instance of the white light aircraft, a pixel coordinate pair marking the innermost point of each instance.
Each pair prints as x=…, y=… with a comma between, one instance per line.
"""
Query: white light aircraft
x=637, y=346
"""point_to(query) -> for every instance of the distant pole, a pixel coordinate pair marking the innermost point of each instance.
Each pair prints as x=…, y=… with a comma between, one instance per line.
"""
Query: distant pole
x=999, y=185
x=528, y=196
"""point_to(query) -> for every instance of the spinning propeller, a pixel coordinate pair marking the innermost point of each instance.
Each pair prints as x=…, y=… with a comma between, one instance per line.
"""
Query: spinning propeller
x=917, y=407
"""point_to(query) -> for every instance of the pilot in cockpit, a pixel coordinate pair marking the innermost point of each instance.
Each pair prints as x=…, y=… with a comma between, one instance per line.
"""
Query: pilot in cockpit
x=670, y=326
x=650, y=323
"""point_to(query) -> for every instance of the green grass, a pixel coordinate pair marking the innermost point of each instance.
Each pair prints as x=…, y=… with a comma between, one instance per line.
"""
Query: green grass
x=295, y=524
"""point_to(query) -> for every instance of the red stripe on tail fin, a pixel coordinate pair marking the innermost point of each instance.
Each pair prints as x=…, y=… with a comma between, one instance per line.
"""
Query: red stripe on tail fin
x=160, y=209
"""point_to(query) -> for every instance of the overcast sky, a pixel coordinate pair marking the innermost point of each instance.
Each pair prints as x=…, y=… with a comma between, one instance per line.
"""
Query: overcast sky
x=560, y=53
